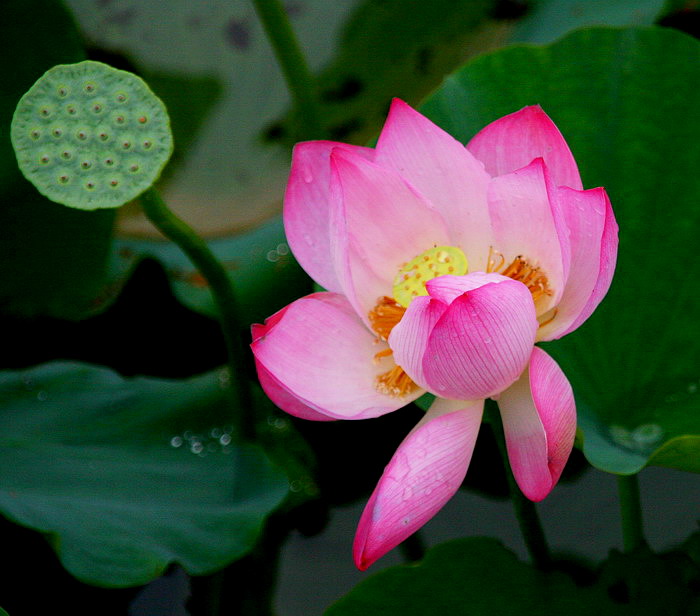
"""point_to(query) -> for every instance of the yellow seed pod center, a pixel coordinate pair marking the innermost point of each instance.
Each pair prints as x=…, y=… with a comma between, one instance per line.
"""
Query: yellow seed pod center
x=438, y=261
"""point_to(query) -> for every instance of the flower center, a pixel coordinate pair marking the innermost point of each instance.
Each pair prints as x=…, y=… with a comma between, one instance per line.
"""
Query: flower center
x=437, y=261
x=409, y=283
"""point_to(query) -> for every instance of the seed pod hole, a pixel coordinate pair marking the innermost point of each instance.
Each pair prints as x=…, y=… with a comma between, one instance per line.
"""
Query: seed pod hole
x=63, y=179
x=90, y=185
x=120, y=119
x=90, y=87
x=35, y=134
x=134, y=168
x=71, y=110
x=121, y=97
x=62, y=91
x=109, y=162
x=44, y=159
x=96, y=108
x=147, y=144
x=66, y=155
x=44, y=112
x=114, y=183
x=86, y=164
x=56, y=132
x=126, y=144
x=82, y=135
x=143, y=119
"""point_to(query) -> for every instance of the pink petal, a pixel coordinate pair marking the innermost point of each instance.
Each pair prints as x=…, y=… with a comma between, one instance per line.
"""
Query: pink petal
x=409, y=338
x=286, y=400
x=444, y=172
x=320, y=354
x=274, y=390
x=424, y=473
x=448, y=288
x=607, y=262
x=593, y=237
x=306, y=208
x=525, y=223
x=515, y=140
x=539, y=420
x=482, y=342
x=378, y=224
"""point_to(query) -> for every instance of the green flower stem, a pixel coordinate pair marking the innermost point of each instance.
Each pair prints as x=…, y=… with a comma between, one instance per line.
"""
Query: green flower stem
x=221, y=288
x=525, y=510
x=293, y=64
x=630, y=512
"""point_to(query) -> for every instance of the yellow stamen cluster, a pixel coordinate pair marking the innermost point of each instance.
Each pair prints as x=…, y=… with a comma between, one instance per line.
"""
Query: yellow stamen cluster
x=520, y=269
x=395, y=383
x=383, y=317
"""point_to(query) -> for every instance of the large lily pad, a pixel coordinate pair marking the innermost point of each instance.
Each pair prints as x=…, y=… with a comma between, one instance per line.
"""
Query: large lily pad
x=475, y=577
x=128, y=475
x=626, y=100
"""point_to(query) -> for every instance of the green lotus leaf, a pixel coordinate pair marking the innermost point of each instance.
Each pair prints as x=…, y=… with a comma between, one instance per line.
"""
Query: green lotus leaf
x=126, y=476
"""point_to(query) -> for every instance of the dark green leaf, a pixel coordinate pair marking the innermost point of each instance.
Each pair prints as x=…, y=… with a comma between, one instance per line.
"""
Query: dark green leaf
x=129, y=475
x=474, y=577
x=626, y=100
x=652, y=583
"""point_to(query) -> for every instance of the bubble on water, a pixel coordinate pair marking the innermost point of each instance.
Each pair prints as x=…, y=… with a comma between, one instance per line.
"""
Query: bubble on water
x=213, y=440
x=295, y=486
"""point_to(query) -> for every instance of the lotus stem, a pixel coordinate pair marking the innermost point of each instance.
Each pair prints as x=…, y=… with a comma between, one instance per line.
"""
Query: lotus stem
x=178, y=231
x=525, y=510
x=630, y=512
x=291, y=59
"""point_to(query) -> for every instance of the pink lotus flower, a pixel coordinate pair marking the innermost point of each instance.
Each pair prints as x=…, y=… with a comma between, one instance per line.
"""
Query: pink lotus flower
x=444, y=266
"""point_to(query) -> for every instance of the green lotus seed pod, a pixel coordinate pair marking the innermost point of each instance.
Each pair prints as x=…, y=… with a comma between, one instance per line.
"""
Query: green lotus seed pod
x=90, y=136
